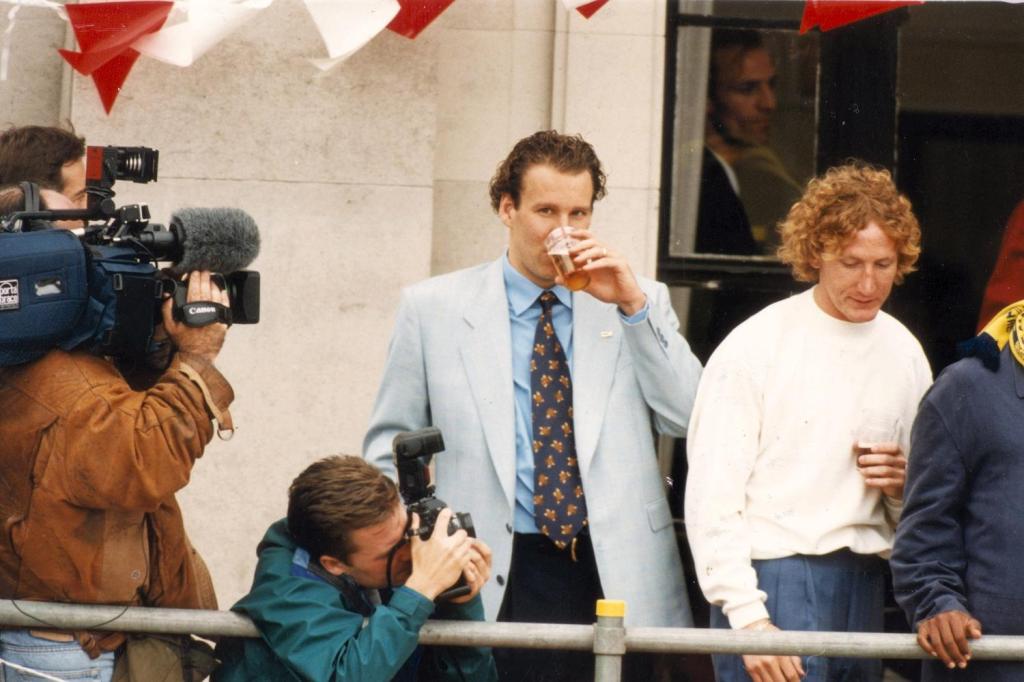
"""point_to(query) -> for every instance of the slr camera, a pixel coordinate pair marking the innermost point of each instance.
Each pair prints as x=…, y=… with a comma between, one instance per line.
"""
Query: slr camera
x=413, y=451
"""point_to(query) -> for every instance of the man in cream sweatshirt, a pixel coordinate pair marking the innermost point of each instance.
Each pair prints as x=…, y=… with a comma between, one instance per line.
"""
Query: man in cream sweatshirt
x=797, y=442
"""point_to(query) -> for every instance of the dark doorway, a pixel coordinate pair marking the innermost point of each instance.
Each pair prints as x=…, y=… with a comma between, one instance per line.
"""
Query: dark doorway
x=964, y=175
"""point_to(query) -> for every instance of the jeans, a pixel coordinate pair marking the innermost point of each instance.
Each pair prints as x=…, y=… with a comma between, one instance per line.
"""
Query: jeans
x=64, y=660
x=837, y=592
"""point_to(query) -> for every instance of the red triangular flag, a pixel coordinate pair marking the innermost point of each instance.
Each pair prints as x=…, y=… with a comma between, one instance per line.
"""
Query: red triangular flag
x=590, y=8
x=416, y=15
x=830, y=14
x=105, y=32
x=111, y=76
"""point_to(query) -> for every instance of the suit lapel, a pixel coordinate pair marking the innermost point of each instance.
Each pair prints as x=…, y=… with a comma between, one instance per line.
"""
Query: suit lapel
x=486, y=348
x=596, y=339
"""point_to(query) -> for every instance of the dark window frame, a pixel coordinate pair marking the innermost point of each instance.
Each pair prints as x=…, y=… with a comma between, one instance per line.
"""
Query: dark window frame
x=857, y=79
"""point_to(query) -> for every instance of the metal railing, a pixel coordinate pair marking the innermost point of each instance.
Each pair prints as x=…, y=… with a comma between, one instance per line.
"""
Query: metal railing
x=607, y=638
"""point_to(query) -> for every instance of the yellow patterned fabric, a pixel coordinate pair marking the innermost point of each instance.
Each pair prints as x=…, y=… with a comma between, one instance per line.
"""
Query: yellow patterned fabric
x=558, y=502
x=1007, y=327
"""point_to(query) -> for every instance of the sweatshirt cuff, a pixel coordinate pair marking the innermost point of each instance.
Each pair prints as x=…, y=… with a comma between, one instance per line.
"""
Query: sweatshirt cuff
x=893, y=509
x=217, y=392
x=743, y=616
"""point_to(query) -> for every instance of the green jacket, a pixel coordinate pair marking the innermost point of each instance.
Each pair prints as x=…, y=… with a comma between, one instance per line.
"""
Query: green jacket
x=312, y=629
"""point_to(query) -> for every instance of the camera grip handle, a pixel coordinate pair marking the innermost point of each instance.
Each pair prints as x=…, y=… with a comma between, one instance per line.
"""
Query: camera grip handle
x=198, y=313
x=460, y=589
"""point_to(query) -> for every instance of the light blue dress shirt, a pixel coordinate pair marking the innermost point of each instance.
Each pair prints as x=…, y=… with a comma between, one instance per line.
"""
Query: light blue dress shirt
x=523, y=312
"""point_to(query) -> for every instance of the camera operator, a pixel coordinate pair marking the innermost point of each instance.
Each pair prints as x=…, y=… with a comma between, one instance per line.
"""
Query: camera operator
x=315, y=596
x=89, y=471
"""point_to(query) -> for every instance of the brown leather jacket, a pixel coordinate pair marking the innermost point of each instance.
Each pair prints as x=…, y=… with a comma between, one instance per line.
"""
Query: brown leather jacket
x=88, y=472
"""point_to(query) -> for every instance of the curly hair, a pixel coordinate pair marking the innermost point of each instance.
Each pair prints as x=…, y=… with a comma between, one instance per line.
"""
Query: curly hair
x=566, y=153
x=332, y=498
x=835, y=206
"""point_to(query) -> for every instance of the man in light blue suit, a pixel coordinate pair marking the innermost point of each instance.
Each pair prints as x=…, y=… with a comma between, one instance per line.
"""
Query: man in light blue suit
x=464, y=357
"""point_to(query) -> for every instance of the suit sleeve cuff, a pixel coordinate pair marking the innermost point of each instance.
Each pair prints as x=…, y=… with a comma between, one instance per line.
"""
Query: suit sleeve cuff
x=942, y=604
x=637, y=317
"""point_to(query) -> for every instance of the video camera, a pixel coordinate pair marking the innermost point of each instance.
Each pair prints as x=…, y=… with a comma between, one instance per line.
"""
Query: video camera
x=99, y=287
x=413, y=451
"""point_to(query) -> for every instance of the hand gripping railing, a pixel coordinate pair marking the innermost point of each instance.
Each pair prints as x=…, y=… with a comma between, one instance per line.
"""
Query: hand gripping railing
x=607, y=638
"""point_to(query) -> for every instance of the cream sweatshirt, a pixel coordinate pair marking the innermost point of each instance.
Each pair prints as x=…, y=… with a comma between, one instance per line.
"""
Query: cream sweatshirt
x=772, y=469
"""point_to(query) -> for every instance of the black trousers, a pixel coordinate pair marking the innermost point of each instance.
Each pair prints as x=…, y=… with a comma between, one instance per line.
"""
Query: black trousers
x=545, y=585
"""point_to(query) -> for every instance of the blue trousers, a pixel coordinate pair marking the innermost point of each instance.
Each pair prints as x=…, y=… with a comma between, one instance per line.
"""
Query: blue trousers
x=63, y=660
x=837, y=592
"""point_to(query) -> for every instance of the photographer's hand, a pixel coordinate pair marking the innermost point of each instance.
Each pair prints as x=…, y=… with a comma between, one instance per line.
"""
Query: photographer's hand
x=477, y=571
x=204, y=342
x=438, y=561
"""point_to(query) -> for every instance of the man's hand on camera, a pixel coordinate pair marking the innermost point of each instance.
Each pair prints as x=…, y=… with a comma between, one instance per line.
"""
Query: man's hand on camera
x=438, y=561
x=477, y=571
x=205, y=341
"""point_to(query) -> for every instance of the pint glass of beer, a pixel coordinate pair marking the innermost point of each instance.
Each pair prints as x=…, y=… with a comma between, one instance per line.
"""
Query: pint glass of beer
x=875, y=428
x=558, y=243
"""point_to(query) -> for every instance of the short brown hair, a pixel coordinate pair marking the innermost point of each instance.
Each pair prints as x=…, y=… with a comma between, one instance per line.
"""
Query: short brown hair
x=565, y=153
x=738, y=41
x=38, y=154
x=12, y=199
x=835, y=206
x=334, y=497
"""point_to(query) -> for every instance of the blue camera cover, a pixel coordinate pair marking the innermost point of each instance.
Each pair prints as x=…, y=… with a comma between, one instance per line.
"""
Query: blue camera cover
x=43, y=292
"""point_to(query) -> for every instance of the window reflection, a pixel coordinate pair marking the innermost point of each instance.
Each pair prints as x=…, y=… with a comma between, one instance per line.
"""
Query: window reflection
x=746, y=187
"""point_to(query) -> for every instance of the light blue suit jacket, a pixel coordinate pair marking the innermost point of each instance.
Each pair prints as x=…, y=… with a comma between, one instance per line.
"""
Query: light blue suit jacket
x=449, y=365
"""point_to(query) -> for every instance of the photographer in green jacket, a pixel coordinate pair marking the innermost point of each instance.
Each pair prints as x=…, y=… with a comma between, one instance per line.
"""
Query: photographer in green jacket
x=321, y=596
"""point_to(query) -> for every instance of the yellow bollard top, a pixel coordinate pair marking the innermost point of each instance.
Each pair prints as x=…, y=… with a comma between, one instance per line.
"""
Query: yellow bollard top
x=614, y=608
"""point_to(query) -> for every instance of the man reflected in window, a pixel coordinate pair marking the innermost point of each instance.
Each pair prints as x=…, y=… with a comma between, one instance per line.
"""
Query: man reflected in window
x=740, y=105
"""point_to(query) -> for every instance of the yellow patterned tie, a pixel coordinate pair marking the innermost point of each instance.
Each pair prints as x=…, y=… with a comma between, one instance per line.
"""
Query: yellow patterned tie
x=558, y=503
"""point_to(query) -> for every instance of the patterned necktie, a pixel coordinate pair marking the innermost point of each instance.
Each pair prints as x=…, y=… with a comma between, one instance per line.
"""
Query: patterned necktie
x=558, y=503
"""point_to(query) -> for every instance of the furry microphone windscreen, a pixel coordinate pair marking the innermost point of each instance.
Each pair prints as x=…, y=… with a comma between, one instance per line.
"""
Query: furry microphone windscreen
x=216, y=239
